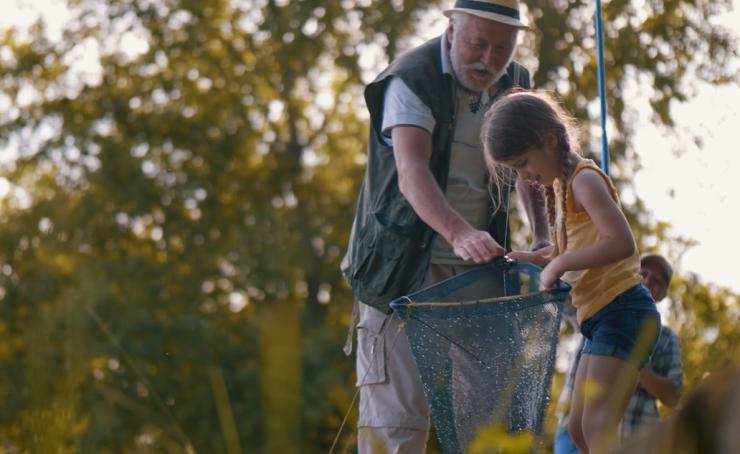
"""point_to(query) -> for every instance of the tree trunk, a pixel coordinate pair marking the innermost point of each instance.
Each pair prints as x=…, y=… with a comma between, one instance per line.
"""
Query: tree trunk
x=280, y=368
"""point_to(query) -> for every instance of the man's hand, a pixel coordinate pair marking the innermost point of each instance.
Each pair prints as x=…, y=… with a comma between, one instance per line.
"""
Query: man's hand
x=658, y=386
x=539, y=243
x=477, y=246
x=533, y=201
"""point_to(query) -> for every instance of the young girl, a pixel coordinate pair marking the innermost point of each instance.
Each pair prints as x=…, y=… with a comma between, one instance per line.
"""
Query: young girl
x=593, y=250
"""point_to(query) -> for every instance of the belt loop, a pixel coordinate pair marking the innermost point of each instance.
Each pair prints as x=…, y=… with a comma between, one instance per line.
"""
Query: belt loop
x=351, y=331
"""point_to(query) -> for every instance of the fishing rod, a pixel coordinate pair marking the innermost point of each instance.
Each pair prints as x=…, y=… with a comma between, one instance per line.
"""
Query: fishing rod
x=602, y=91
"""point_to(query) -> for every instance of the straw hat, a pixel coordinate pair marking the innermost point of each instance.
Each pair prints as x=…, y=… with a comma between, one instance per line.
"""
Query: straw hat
x=504, y=11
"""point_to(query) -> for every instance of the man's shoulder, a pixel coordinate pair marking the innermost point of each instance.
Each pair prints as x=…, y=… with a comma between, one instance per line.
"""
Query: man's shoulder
x=421, y=61
x=427, y=54
x=668, y=332
x=516, y=75
x=421, y=71
x=421, y=67
x=668, y=339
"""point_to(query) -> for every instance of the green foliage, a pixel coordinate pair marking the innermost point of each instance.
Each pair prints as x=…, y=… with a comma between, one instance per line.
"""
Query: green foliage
x=179, y=195
x=666, y=43
x=171, y=205
x=708, y=317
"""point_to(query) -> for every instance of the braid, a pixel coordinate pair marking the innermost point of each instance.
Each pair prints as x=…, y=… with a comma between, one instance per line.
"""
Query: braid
x=561, y=233
x=551, y=215
x=563, y=187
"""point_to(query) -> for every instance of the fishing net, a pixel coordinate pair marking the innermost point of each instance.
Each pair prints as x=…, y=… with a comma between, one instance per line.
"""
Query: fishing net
x=485, y=344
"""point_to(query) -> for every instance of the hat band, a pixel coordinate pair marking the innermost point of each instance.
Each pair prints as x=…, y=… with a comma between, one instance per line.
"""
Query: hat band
x=488, y=7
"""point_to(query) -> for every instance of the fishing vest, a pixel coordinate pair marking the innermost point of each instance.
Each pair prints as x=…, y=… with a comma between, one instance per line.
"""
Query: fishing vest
x=390, y=246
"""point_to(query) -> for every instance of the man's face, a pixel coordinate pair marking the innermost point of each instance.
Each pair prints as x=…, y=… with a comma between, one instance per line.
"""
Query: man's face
x=480, y=51
x=654, y=279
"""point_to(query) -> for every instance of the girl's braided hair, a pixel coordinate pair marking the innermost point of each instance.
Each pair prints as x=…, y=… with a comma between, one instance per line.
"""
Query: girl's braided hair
x=518, y=121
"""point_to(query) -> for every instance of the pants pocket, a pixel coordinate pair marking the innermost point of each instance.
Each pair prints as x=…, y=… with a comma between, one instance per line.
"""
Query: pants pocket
x=371, y=347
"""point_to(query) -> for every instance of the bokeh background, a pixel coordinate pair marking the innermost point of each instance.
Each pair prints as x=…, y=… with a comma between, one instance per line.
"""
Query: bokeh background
x=178, y=180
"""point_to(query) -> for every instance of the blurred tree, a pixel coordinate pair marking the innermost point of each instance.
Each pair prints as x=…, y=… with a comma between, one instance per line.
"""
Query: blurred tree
x=708, y=317
x=183, y=176
x=191, y=187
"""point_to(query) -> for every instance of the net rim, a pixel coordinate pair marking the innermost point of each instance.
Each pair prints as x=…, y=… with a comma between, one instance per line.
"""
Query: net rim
x=499, y=299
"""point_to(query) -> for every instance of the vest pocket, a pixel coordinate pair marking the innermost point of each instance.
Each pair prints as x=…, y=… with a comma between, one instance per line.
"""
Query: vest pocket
x=389, y=244
x=375, y=271
x=393, y=226
x=364, y=247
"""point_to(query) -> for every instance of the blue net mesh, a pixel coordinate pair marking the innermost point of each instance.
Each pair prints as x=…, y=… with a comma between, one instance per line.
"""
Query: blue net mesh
x=485, y=344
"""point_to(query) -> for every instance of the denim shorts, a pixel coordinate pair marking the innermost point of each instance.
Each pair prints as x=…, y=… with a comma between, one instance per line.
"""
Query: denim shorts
x=627, y=328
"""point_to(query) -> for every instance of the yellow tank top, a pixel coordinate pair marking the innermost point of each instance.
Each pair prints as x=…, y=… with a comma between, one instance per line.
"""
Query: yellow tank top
x=595, y=288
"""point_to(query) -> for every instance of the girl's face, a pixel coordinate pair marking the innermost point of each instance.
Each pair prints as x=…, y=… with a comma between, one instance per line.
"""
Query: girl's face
x=539, y=165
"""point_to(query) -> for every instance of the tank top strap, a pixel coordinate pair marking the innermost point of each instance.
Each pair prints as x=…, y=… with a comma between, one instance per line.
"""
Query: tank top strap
x=588, y=164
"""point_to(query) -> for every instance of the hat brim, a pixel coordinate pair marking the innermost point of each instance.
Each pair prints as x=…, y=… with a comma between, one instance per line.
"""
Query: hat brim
x=488, y=15
x=660, y=261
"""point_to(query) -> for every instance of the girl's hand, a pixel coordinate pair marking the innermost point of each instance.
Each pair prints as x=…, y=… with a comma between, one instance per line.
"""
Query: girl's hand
x=538, y=257
x=551, y=273
x=522, y=256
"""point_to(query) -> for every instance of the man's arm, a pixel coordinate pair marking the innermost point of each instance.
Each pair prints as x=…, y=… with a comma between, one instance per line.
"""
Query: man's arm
x=666, y=381
x=534, y=205
x=412, y=149
x=658, y=386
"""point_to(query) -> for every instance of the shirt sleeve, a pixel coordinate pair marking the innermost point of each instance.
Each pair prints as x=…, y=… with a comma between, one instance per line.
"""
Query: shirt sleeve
x=674, y=370
x=668, y=358
x=403, y=108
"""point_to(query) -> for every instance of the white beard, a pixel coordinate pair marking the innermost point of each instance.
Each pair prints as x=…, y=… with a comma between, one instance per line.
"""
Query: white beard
x=467, y=82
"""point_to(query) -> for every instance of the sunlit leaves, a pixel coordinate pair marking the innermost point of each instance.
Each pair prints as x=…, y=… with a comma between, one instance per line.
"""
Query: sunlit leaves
x=496, y=439
x=669, y=43
x=708, y=318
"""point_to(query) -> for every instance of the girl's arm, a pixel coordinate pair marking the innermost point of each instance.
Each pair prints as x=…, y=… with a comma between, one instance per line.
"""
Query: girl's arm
x=617, y=243
x=537, y=257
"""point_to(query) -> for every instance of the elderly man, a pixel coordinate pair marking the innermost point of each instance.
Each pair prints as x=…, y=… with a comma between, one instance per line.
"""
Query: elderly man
x=661, y=380
x=425, y=213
